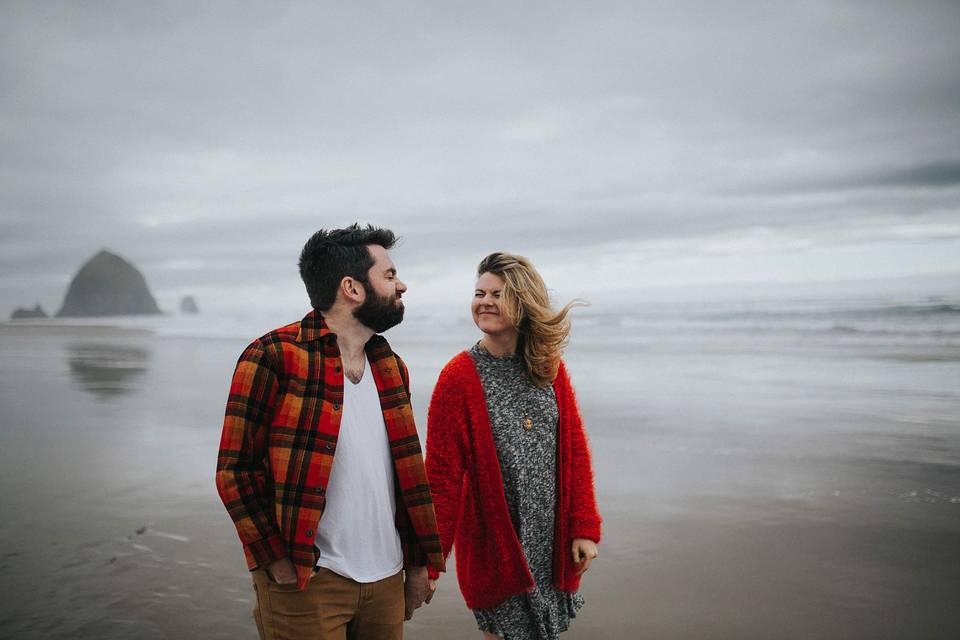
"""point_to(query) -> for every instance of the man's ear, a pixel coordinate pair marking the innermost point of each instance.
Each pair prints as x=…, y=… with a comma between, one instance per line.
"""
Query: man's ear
x=352, y=289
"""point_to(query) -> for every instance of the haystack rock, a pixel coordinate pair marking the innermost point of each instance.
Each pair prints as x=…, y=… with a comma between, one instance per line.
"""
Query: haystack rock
x=108, y=285
x=22, y=313
x=188, y=305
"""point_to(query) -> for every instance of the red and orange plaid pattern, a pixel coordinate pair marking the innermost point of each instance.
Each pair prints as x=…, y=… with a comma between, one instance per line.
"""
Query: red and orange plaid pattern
x=280, y=436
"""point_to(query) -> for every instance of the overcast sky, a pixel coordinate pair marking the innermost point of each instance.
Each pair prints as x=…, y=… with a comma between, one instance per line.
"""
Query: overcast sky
x=623, y=146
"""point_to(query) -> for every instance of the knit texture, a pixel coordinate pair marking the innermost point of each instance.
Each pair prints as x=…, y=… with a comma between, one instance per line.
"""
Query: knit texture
x=523, y=418
x=467, y=486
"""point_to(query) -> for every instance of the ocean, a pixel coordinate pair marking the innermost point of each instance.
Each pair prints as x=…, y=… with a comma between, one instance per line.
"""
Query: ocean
x=765, y=469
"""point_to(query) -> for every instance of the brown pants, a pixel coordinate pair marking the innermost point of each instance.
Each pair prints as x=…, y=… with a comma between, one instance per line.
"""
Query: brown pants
x=332, y=608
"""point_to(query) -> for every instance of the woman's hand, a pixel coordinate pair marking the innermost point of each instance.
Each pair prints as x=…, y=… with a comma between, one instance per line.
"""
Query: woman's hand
x=584, y=551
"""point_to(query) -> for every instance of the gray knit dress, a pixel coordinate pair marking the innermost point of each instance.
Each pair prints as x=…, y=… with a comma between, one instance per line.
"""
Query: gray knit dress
x=524, y=422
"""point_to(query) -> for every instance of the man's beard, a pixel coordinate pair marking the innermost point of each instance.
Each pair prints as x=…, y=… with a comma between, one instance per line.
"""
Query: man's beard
x=379, y=312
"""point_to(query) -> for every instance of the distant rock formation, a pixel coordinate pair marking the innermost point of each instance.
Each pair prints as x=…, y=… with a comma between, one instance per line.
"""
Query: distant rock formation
x=22, y=313
x=108, y=285
x=188, y=305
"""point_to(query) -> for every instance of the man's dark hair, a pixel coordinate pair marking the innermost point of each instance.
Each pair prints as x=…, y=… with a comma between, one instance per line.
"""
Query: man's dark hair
x=330, y=256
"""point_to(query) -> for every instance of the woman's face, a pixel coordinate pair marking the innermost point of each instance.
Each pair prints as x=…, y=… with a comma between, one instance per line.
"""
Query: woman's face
x=487, y=314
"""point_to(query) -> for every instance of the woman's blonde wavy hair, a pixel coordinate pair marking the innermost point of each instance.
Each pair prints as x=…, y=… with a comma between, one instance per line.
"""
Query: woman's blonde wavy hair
x=543, y=332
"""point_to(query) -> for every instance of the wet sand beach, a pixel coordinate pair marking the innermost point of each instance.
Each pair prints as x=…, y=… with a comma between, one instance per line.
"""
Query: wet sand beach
x=748, y=490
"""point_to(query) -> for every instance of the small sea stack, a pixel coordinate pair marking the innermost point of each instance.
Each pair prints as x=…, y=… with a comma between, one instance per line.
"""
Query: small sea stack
x=188, y=305
x=23, y=313
x=108, y=285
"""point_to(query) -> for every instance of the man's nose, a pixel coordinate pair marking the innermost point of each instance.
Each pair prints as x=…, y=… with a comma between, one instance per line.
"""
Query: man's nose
x=401, y=286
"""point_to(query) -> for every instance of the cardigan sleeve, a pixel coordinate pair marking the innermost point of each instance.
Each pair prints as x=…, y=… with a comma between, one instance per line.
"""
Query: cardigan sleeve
x=446, y=420
x=584, y=516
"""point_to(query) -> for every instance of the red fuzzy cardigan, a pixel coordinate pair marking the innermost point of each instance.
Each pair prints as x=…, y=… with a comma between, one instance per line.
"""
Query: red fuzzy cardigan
x=468, y=495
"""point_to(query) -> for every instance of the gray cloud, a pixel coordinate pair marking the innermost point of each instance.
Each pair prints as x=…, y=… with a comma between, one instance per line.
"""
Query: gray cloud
x=942, y=175
x=206, y=142
x=934, y=175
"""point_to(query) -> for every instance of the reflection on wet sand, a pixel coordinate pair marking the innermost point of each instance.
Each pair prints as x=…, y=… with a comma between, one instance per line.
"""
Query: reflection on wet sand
x=107, y=370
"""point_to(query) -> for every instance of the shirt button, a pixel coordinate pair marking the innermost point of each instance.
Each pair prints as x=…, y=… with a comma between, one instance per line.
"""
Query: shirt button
x=338, y=369
x=336, y=407
x=309, y=532
x=319, y=490
x=329, y=447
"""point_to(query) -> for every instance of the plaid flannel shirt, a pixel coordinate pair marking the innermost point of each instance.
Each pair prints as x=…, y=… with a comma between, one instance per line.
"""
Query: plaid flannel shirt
x=280, y=436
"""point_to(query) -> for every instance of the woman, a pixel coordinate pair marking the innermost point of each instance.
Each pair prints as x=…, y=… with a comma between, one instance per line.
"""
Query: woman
x=508, y=462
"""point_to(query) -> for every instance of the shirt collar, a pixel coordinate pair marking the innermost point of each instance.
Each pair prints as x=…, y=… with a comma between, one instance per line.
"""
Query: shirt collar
x=313, y=327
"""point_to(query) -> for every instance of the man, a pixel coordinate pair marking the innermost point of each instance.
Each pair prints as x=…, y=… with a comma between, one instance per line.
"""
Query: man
x=320, y=464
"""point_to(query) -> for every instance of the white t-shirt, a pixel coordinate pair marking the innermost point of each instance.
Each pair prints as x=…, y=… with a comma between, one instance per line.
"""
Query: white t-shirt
x=357, y=534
